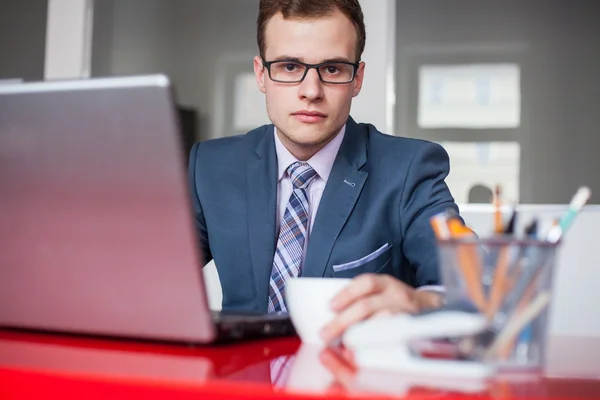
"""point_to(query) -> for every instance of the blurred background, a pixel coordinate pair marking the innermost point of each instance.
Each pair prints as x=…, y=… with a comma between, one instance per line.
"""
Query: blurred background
x=509, y=87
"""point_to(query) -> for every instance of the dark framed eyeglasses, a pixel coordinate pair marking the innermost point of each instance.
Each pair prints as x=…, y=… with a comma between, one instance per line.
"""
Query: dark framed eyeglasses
x=293, y=71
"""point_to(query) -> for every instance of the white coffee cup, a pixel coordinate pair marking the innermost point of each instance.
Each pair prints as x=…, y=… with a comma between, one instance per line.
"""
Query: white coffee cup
x=309, y=304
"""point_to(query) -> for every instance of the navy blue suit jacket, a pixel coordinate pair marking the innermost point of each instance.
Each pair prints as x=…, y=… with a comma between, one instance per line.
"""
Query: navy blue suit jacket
x=382, y=190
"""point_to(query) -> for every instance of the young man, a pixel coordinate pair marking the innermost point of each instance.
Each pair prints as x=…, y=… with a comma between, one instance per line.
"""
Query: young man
x=316, y=194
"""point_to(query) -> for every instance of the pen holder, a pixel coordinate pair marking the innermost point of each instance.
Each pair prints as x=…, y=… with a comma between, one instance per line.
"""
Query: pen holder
x=510, y=282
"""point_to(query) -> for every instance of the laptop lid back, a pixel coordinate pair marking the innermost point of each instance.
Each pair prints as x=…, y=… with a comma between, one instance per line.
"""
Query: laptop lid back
x=96, y=229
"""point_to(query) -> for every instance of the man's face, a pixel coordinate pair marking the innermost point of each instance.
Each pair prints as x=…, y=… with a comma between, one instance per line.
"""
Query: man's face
x=310, y=113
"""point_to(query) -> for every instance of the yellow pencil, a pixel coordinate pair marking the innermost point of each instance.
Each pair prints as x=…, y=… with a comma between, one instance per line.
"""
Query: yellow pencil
x=498, y=225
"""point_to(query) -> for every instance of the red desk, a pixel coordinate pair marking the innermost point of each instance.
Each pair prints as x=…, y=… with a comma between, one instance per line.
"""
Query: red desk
x=47, y=366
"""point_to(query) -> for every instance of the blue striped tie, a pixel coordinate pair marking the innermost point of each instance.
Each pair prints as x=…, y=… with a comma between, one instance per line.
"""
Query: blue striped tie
x=292, y=233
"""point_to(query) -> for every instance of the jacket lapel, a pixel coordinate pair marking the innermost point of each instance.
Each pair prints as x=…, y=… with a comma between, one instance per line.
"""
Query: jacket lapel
x=262, y=203
x=341, y=193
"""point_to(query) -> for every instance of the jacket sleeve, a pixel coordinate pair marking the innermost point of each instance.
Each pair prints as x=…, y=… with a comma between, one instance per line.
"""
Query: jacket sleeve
x=200, y=222
x=425, y=194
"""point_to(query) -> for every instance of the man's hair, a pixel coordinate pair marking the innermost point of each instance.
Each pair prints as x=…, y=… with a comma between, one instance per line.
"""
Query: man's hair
x=311, y=9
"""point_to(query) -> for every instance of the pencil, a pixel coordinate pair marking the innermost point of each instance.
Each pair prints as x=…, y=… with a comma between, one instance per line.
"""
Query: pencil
x=469, y=263
x=517, y=322
x=498, y=228
x=501, y=282
x=439, y=224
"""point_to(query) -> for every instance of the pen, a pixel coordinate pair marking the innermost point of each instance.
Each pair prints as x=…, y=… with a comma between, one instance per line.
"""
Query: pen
x=577, y=203
x=510, y=228
x=531, y=229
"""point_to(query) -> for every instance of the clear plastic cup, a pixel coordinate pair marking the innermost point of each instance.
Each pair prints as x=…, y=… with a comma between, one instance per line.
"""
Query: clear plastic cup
x=510, y=281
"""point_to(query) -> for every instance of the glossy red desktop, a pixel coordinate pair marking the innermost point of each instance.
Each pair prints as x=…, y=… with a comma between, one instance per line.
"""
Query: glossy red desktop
x=55, y=366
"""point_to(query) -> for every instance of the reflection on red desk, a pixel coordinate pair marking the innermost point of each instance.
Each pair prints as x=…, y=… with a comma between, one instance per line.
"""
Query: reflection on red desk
x=47, y=365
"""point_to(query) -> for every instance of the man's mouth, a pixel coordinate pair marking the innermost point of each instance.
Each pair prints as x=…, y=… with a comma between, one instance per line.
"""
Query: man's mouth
x=309, y=116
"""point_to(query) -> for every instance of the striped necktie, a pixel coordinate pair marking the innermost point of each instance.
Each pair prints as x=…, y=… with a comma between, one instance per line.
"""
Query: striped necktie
x=292, y=234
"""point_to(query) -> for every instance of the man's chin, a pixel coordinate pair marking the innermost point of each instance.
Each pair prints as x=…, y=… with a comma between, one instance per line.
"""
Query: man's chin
x=308, y=135
x=312, y=130
x=311, y=141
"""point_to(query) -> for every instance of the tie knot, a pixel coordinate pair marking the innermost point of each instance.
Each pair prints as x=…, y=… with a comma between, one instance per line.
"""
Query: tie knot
x=301, y=174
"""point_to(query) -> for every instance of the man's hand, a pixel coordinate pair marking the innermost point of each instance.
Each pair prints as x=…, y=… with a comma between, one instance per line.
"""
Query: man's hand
x=370, y=295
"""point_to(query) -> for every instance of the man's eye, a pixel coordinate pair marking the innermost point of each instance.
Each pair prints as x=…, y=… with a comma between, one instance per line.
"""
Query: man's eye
x=290, y=67
x=332, y=69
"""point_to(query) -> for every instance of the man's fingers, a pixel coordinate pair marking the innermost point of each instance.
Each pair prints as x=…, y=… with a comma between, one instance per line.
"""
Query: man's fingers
x=361, y=286
x=386, y=312
x=357, y=311
x=385, y=303
x=366, y=296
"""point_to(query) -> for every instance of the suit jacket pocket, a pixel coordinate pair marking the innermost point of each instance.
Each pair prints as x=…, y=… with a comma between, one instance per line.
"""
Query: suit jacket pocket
x=374, y=262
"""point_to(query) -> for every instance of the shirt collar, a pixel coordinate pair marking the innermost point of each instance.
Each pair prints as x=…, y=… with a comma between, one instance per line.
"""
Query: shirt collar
x=321, y=162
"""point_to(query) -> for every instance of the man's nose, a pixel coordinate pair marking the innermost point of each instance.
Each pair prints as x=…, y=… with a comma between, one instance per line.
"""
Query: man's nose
x=311, y=88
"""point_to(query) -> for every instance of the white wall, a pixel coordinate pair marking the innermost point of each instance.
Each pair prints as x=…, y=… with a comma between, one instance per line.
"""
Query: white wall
x=377, y=101
x=68, y=39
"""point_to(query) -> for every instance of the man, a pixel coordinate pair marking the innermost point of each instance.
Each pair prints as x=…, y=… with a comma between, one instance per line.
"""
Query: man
x=316, y=194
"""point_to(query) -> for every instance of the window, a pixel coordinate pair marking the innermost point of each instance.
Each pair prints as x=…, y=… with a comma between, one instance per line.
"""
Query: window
x=473, y=109
x=469, y=96
x=476, y=167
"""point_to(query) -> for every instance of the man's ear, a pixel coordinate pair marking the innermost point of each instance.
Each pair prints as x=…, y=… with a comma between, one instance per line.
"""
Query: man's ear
x=358, y=79
x=259, y=72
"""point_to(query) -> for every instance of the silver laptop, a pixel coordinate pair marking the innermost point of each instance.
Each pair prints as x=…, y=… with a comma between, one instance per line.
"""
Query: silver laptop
x=96, y=229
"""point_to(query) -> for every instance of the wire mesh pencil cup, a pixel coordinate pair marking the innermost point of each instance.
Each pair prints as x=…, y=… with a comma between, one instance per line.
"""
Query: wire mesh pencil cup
x=510, y=282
